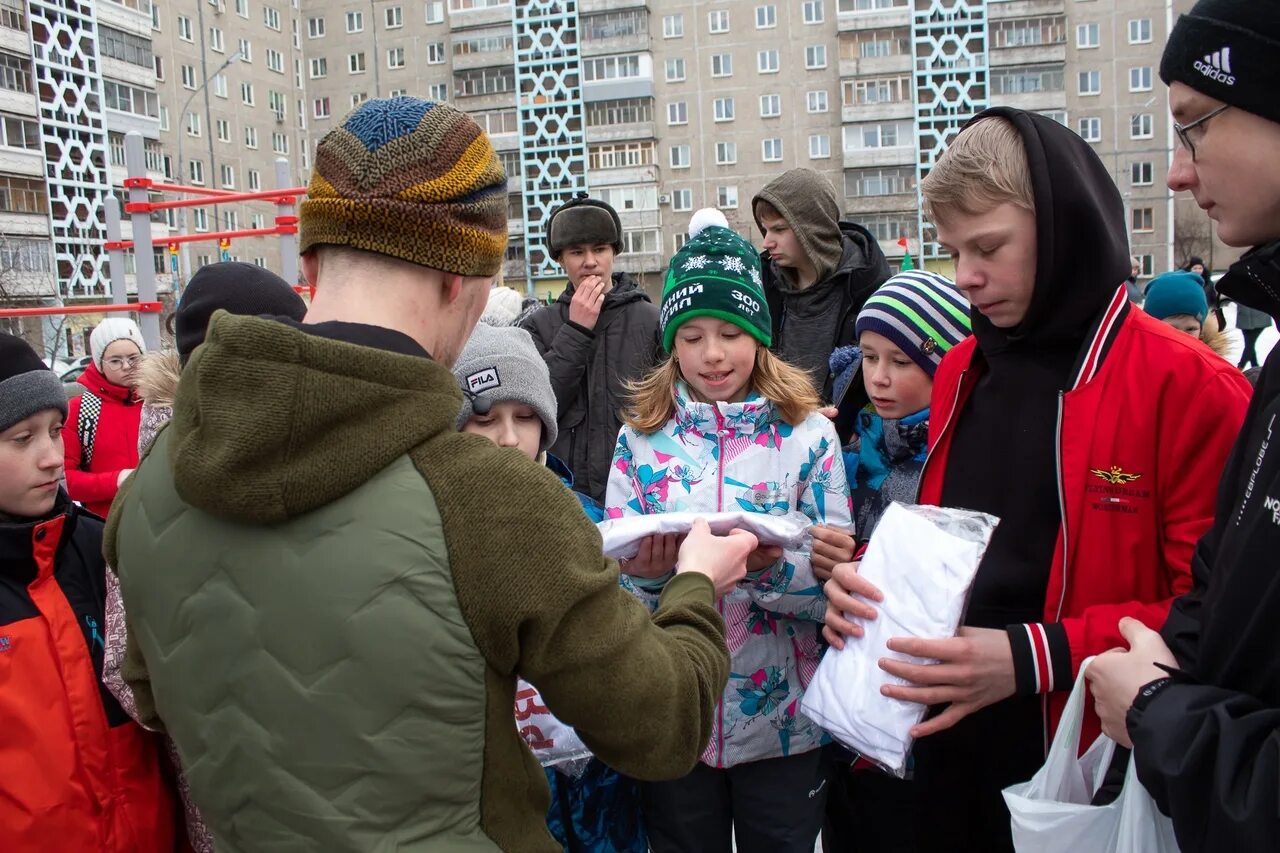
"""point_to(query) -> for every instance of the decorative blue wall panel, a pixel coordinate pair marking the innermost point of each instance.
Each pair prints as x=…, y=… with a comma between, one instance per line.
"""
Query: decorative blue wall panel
x=950, y=53
x=553, y=142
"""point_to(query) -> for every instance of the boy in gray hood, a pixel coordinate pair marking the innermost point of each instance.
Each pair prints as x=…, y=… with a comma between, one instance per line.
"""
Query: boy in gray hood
x=818, y=271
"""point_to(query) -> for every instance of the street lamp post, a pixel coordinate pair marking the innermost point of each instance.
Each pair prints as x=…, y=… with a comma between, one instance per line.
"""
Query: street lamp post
x=185, y=258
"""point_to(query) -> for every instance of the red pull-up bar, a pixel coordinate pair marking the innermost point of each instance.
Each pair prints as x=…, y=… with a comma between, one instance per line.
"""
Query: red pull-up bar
x=58, y=310
x=285, y=225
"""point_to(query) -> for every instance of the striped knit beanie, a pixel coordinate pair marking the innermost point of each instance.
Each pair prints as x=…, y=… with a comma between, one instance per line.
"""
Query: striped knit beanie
x=921, y=312
x=411, y=179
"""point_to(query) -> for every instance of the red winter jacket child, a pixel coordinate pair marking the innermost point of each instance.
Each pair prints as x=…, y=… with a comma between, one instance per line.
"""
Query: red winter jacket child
x=110, y=440
x=76, y=773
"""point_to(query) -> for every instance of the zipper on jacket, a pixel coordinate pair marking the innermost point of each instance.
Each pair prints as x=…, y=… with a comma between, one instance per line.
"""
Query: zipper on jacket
x=942, y=434
x=720, y=601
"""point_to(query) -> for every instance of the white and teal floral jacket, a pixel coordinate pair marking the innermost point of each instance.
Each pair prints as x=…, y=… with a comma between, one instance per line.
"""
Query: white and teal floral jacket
x=734, y=456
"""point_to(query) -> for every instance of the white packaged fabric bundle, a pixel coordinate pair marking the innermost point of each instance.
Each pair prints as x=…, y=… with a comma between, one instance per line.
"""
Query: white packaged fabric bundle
x=622, y=536
x=923, y=559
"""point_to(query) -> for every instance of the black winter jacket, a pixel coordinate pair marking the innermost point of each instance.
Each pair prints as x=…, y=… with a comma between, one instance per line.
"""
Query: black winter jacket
x=590, y=370
x=1207, y=741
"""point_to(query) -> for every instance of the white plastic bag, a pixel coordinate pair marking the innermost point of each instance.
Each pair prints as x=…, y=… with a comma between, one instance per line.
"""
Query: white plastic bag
x=924, y=560
x=553, y=743
x=1051, y=813
x=622, y=536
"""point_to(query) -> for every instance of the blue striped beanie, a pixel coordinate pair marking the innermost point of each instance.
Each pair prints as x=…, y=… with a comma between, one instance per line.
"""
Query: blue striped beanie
x=921, y=312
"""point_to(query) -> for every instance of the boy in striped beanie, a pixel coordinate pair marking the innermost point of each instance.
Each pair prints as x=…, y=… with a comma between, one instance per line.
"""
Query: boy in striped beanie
x=904, y=330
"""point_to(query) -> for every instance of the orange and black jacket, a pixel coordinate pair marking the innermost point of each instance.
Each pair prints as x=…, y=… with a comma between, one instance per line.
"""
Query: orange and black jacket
x=76, y=773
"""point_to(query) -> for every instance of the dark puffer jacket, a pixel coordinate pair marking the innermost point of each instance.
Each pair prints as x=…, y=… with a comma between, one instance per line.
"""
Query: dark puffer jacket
x=590, y=370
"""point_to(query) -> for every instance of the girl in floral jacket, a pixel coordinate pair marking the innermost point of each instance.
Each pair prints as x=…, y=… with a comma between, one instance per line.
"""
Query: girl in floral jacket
x=725, y=425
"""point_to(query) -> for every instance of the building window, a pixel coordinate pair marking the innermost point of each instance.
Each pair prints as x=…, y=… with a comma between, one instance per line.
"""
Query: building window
x=1140, y=79
x=438, y=92
x=1141, y=126
x=815, y=56
x=771, y=150
x=242, y=8
x=21, y=133
x=255, y=180
x=320, y=108
x=877, y=90
x=721, y=64
x=611, y=67
x=1146, y=266
x=1090, y=82
x=867, y=44
x=631, y=22
x=220, y=85
x=193, y=124
x=224, y=130
x=275, y=60
x=1141, y=174
x=216, y=43
x=1087, y=36
x=1022, y=79
x=718, y=21
x=1143, y=219
x=629, y=198
x=394, y=16
x=677, y=113
x=435, y=53
x=228, y=176
x=395, y=57
x=675, y=70
x=496, y=40
x=484, y=81
x=126, y=47
x=813, y=13
x=158, y=65
x=251, y=138
x=680, y=157
x=727, y=197
x=26, y=254
x=673, y=26
x=623, y=155
x=271, y=18
x=819, y=146
x=200, y=221
x=766, y=17
x=119, y=96
x=647, y=241
x=817, y=101
x=315, y=28
x=1028, y=32
x=196, y=172
x=246, y=93
x=1090, y=129
x=435, y=12
x=621, y=111
x=726, y=153
x=164, y=119
x=184, y=28
x=1140, y=31
x=770, y=106
x=497, y=121
x=280, y=143
x=886, y=134
x=767, y=62
x=355, y=22
x=246, y=50
x=356, y=63
x=23, y=195
x=188, y=77
x=682, y=200
x=319, y=68
x=724, y=110
x=870, y=5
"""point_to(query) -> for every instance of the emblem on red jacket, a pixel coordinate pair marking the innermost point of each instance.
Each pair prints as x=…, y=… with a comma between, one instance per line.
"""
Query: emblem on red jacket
x=1115, y=475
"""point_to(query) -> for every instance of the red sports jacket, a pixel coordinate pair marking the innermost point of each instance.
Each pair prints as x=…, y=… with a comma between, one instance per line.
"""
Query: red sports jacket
x=1144, y=431
x=115, y=442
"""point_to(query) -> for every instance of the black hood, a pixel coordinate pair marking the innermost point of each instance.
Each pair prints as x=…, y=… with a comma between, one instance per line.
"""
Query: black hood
x=1254, y=280
x=1082, y=246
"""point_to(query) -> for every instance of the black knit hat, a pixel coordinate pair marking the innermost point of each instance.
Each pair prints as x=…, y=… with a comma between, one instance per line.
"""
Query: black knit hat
x=244, y=289
x=1227, y=49
x=26, y=385
x=583, y=220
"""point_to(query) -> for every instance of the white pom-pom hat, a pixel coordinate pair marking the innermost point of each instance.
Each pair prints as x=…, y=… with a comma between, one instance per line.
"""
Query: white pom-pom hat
x=704, y=219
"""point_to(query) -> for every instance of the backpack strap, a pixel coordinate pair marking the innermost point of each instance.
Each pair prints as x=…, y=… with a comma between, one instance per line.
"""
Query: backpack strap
x=87, y=427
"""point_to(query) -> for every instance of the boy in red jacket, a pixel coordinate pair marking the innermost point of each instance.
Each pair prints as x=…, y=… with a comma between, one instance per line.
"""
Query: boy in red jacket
x=75, y=772
x=1095, y=433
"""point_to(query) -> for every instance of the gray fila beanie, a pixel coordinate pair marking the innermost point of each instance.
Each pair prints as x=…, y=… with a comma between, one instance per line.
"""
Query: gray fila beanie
x=501, y=364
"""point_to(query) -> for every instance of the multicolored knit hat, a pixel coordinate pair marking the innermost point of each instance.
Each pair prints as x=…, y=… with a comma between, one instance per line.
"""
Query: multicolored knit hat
x=412, y=179
x=921, y=312
x=715, y=274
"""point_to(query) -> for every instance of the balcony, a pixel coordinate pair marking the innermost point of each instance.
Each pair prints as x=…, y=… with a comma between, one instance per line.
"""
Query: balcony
x=863, y=205
x=1033, y=54
x=15, y=41
x=19, y=161
x=618, y=89
x=874, y=20
x=624, y=175
x=621, y=132
x=638, y=263
x=478, y=103
x=1025, y=9
x=24, y=224
x=586, y=7
x=127, y=72
x=875, y=66
x=123, y=122
x=133, y=21
x=1032, y=101
x=21, y=103
x=482, y=59
x=484, y=17
x=629, y=43
x=878, y=112
x=861, y=158
x=633, y=219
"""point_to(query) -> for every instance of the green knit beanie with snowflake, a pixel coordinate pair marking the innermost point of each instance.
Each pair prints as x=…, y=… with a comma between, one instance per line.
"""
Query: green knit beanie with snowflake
x=715, y=274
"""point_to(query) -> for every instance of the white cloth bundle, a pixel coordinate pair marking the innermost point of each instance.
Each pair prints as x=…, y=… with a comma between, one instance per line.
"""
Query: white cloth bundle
x=924, y=560
x=622, y=536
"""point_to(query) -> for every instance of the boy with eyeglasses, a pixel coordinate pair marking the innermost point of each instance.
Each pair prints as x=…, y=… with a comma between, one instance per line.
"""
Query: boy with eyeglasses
x=1200, y=701
x=100, y=436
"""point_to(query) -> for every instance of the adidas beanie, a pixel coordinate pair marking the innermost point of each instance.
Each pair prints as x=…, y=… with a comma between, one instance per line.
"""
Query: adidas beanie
x=921, y=312
x=27, y=386
x=410, y=179
x=1227, y=49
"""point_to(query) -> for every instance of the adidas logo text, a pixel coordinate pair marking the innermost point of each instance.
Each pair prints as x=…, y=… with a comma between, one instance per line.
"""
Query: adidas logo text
x=1217, y=66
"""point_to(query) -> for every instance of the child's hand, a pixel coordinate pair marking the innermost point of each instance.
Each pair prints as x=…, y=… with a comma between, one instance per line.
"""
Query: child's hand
x=763, y=557
x=831, y=547
x=847, y=593
x=657, y=556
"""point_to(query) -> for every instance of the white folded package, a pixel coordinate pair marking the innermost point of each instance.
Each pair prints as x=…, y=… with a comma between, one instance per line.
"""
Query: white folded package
x=924, y=560
x=622, y=536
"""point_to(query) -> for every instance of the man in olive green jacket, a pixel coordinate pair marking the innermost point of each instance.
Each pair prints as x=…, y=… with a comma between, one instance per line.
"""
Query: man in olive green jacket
x=330, y=591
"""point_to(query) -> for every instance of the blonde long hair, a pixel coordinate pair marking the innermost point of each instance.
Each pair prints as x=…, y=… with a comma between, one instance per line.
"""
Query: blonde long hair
x=789, y=388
